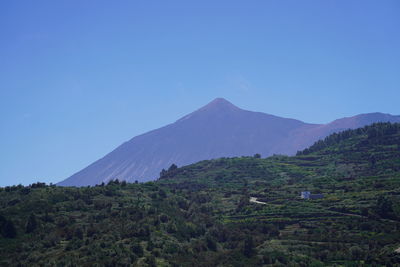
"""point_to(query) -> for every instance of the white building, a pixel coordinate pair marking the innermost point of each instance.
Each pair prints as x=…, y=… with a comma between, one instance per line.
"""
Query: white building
x=308, y=195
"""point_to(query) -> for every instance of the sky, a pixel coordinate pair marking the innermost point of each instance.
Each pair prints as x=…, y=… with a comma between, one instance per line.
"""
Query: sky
x=78, y=78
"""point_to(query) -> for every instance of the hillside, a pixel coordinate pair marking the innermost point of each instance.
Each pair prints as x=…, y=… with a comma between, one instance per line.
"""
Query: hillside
x=219, y=129
x=201, y=214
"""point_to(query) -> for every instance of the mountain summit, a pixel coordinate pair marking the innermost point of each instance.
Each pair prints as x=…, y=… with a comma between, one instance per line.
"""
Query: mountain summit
x=217, y=107
x=219, y=129
x=219, y=104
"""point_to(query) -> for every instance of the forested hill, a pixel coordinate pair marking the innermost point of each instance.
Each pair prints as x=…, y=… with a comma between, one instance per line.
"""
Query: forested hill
x=371, y=150
x=202, y=214
x=360, y=138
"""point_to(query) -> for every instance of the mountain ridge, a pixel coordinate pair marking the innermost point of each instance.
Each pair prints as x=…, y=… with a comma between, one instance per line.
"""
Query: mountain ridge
x=218, y=129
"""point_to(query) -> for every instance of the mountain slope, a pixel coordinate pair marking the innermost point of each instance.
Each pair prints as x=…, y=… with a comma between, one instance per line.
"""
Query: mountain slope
x=202, y=214
x=218, y=129
x=369, y=152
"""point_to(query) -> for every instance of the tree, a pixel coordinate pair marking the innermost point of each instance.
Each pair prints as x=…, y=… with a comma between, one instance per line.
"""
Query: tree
x=172, y=167
x=78, y=233
x=356, y=252
x=248, y=248
x=9, y=230
x=163, y=173
x=151, y=261
x=211, y=243
x=162, y=194
x=137, y=249
x=31, y=224
x=396, y=210
x=384, y=206
x=257, y=156
x=243, y=202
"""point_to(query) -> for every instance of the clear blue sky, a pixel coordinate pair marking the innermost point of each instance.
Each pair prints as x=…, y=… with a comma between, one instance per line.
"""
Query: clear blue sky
x=78, y=78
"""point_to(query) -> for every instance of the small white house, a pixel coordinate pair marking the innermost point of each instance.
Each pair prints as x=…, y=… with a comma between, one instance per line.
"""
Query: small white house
x=308, y=195
x=305, y=194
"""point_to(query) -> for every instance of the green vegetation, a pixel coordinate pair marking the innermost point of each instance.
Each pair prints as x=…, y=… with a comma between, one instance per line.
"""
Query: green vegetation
x=201, y=214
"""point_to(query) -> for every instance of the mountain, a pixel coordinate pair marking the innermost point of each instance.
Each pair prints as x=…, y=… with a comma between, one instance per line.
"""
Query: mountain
x=219, y=129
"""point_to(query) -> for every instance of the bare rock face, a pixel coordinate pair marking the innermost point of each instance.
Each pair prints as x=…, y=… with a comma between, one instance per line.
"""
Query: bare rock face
x=219, y=129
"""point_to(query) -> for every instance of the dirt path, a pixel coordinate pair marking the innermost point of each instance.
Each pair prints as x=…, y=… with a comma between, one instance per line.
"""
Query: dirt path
x=254, y=200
